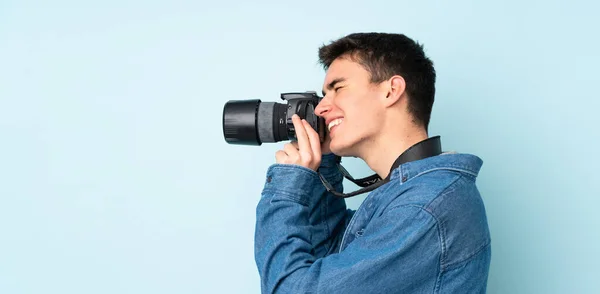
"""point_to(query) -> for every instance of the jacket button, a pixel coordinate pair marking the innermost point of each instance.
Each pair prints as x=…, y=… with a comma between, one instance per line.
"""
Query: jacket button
x=359, y=232
x=268, y=179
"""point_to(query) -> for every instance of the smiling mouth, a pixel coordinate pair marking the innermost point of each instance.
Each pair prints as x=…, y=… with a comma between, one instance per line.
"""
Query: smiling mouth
x=334, y=123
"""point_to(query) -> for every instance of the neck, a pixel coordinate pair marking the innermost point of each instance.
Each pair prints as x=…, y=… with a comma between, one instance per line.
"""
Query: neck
x=388, y=146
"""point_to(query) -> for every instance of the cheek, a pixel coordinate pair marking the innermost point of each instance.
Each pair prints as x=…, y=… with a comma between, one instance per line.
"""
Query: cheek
x=361, y=107
x=365, y=119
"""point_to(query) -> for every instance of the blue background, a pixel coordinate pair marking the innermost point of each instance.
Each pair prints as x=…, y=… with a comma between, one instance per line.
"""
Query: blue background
x=115, y=177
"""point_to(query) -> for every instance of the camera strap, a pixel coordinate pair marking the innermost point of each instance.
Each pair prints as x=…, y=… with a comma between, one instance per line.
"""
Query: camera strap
x=421, y=150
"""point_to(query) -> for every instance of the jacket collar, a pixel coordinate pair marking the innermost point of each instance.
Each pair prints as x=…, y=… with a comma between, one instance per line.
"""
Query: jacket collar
x=461, y=162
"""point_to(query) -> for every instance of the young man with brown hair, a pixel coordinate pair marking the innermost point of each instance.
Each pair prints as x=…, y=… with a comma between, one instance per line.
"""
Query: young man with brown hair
x=422, y=230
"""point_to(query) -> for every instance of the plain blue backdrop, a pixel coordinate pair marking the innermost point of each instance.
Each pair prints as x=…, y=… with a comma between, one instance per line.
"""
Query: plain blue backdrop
x=115, y=177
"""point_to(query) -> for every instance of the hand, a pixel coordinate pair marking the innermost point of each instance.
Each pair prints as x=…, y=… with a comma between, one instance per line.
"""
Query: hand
x=307, y=151
x=325, y=145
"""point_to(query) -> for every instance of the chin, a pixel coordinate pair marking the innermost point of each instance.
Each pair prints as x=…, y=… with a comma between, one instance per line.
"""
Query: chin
x=341, y=148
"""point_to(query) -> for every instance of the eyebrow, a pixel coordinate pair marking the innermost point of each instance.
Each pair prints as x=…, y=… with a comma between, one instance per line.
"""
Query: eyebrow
x=332, y=84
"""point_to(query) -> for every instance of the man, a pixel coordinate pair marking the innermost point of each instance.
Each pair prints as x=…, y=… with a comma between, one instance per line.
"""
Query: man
x=424, y=230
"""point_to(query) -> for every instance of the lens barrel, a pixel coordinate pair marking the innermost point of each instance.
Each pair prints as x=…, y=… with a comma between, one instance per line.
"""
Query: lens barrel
x=239, y=122
x=252, y=122
x=272, y=124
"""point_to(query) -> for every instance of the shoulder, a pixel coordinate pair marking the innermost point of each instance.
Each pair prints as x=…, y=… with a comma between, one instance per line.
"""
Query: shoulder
x=425, y=182
x=423, y=190
x=444, y=186
x=446, y=189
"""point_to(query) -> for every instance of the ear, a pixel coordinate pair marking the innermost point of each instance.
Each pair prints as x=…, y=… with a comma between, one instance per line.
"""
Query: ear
x=395, y=87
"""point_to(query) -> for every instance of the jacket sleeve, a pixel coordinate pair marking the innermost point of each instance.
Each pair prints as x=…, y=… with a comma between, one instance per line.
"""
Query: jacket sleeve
x=328, y=214
x=381, y=260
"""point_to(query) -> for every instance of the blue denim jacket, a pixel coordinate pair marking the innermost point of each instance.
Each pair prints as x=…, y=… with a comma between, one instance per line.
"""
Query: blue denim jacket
x=425, y=231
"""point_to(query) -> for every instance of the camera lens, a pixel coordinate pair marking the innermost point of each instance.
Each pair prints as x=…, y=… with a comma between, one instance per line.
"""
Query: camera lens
x=252, y=122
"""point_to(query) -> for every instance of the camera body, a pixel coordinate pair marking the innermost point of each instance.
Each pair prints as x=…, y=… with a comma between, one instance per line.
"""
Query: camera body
x=253, y=122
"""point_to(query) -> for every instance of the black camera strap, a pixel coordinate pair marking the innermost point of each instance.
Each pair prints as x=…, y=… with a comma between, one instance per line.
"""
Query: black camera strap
x=426, y=148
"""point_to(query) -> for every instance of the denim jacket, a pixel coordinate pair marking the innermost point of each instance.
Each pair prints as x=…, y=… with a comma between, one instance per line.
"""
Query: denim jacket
x=425, y=231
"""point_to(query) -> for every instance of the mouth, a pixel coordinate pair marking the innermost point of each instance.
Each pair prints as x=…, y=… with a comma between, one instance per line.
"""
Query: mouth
x=334, y=123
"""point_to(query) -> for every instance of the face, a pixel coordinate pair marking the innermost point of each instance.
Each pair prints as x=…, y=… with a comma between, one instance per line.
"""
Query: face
x=350, y=107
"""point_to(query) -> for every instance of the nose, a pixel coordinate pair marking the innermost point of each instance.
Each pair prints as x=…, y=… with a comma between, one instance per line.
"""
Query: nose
x=323, y=107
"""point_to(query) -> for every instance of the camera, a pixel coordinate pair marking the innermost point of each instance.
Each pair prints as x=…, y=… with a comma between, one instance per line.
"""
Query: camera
x=253, y=122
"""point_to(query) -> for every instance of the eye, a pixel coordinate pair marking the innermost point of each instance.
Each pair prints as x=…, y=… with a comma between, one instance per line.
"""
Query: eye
x=337, y=88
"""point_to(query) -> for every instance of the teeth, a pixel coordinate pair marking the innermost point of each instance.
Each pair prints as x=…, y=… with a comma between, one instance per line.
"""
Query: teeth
x=334, y=123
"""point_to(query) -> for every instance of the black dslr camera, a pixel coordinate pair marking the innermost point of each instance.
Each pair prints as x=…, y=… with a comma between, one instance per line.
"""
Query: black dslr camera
x=252, y=122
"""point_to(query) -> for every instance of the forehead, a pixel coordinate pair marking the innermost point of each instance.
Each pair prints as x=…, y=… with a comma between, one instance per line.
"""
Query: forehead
x=344, y=67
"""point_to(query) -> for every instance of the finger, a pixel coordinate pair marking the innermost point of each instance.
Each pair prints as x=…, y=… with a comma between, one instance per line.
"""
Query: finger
x=290, y=147
x=315, y=143
x=291, y=151
x=303, y=143
x=280, y=156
